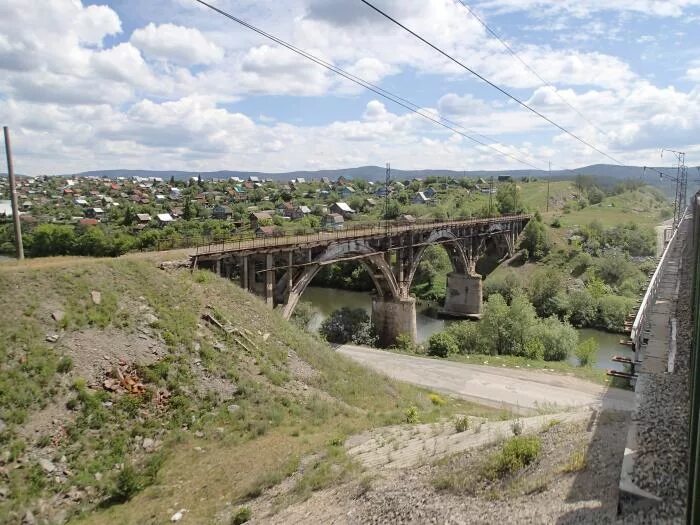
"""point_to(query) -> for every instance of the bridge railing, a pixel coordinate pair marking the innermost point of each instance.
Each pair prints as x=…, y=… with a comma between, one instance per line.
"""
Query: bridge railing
x=693, y=508
x=249, y=241
x=641, y=320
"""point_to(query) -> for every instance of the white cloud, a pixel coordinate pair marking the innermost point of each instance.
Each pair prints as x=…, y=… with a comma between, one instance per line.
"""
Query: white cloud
x=181, y=45
x=583, y=8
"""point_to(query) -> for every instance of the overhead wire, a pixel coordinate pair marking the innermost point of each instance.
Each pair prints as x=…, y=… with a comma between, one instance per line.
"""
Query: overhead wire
x=525, y=64
x=405, y=103
x=489, y=82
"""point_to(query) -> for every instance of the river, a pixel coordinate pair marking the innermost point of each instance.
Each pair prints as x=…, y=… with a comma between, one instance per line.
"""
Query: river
x=325, y=300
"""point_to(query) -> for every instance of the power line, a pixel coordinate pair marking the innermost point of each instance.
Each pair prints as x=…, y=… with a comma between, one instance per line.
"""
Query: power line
x=525, y=64
x=487, y=81
x=407, y=104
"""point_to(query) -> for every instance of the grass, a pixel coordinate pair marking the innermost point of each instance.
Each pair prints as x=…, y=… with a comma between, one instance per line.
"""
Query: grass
x=244, y=451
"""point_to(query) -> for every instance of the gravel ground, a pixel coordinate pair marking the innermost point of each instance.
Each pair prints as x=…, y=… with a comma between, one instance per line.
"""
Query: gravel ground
x=544, y=492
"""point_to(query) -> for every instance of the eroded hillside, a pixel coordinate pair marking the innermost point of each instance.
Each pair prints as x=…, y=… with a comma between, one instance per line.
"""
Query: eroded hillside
x=129, y=393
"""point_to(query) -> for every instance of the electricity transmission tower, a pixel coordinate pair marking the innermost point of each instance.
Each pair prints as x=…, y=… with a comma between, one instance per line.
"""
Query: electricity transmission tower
x=681, y=180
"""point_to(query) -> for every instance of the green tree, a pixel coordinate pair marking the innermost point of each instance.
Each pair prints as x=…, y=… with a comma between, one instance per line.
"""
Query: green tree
x=583, y=308
x=52, y=239
x=544, y=289
x=612, y=312
x=520, y=322
x=346, y=325
x=494, y=325
x=129, y=216
x=508, y=285
x=536, y=239
x=508, y=198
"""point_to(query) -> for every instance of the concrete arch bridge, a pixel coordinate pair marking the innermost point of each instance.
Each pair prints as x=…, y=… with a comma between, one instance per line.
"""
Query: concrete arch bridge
x=280, y=268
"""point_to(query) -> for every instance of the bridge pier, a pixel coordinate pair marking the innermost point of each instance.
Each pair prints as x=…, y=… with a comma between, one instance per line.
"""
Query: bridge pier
x=392, y=317
x=464, y=295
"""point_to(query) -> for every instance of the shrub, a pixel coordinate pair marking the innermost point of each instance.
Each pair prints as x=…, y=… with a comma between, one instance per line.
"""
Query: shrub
x=612, y=312
x=437, y=399
x=241, y=516
x=586, y=352
x=411, y=414
x=556, y=223
x=516, y=453
x=467, y=336
x=516, y=427
x=462, y=424
x=404, y=343
x=127, y=484
x=442, y=344
x=558, y=338
x=302, y=315
x=65, y=365
x=508, y=286
x=583, y=308
x=614, y=269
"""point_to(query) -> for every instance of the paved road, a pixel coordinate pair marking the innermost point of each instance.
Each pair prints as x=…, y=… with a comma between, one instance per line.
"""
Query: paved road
x=522, y=390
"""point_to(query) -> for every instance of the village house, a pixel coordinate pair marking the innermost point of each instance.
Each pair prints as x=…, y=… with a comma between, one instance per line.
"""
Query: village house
x=430, y=192
x=346, y=192
x=164, y=219
x=343, y=209
x=221, y=212
x=268, y=231
x=420, y=198
x=333, y=221
x=405, y=219
x=94, y=213
x=258, y=218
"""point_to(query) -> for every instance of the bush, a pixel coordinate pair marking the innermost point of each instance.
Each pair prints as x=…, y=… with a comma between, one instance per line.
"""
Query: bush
x=437, y=399
x=612, y=312
x=65, y=365
x=583, y=309
x=404, y=343
x=586, y=352
x=467, y=336
x=516, y=453
x=348, y=324
x=614, y=269
x=442, y=344
x=558, y=339
x=241, y=516
x=556, y=223
x=508, y=286
x=302, y=315
x=127, y=484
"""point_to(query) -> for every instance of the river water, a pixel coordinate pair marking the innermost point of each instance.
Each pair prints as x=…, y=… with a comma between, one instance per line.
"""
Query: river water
x=325, y=300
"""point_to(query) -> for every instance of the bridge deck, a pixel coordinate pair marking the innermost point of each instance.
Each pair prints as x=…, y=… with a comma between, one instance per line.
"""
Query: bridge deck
x=326, y=237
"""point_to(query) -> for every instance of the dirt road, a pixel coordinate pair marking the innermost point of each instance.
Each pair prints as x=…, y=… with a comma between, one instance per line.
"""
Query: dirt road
x=521, y=390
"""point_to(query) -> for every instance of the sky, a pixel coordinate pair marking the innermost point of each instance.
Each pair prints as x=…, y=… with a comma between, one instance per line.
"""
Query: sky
x=172, y=85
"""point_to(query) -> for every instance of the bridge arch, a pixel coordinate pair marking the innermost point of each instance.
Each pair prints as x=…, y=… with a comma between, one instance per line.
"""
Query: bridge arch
x=455, y=250
x=379, y=270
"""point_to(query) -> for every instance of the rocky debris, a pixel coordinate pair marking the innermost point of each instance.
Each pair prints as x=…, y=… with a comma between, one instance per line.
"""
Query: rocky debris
x=3, y=426
x=52, y=338
x=232, y=409
x=96, y=297
x=149, y=444
x=175, y=265
x=178, y=515
x=29, y=518
x=47, y=465
x=58, y=315
x=123, y=379
x=4, y=492
x=199, y=434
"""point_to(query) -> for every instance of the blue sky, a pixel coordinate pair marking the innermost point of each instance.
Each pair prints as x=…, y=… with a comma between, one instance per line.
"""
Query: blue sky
x=172, y=85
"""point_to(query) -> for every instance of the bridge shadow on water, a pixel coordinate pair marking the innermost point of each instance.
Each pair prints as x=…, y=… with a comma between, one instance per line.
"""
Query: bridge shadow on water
x=595, y=486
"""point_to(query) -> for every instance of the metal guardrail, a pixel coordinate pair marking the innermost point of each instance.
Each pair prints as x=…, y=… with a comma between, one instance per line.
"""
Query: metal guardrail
x=250, y=242
x=641, y=323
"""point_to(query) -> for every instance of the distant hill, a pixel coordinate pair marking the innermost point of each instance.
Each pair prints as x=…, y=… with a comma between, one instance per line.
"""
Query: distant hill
x=606, y=174
x=378, y=173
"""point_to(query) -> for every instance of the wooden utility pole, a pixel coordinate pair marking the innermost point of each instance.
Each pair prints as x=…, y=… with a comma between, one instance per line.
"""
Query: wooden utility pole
x=13, y=196
x=549, y=178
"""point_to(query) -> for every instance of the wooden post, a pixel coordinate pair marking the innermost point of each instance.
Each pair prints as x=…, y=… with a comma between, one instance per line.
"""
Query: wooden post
x=13, y=196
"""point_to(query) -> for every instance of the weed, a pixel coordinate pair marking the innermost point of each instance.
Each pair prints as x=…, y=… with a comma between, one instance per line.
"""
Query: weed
x=517, y=427
x=411, y=415
x=436, y=399
x=462, y=423
x=576, y=462
x=241, y=516
x=127, y=484
x=515, y=453
x=65, y=365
